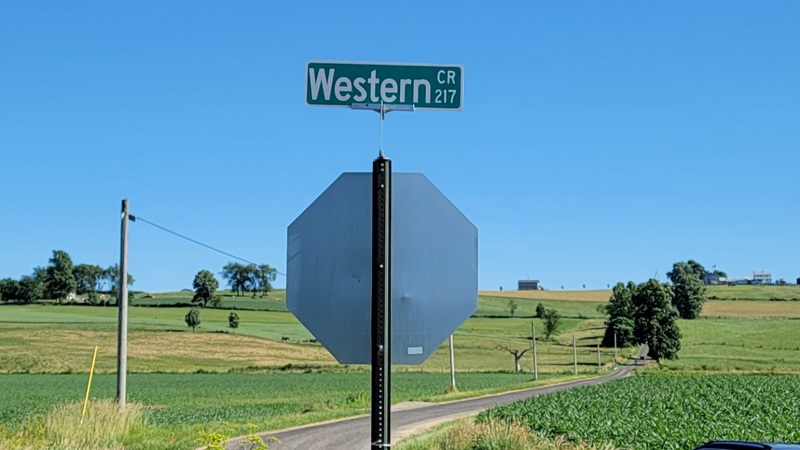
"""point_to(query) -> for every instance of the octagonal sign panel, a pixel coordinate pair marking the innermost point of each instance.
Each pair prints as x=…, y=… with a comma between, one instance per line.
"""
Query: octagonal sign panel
x=434, y=268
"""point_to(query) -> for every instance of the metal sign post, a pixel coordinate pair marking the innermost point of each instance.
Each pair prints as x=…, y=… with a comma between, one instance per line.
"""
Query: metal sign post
x=381, y=285
x=381, y=301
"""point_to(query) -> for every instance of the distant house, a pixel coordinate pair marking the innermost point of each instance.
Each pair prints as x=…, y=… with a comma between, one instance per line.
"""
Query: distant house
x=528, y=285
x=762, y=277
x=713, y=279
x=757, y=278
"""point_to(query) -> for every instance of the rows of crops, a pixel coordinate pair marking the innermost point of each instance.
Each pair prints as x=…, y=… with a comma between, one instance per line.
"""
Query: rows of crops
x=206, y=398
x=651, y=412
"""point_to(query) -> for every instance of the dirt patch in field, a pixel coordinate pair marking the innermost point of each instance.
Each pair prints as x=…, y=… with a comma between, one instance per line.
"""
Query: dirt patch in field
x=58, y=351
x=586, y=296
x=232, y=348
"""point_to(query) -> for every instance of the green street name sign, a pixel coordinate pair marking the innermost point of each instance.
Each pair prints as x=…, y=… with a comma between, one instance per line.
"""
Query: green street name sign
x=333, y=83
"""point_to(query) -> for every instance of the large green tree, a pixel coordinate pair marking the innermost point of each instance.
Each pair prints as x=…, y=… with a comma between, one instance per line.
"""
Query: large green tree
x=60, y=281
x=241, y=277
x=689, y=292
x=697, y=268
x=621, y=313
x=655, y=320
x=193, y=318
x=109, y=280
x=31, y=287
x=205, y=285
x=551, y=321
x=540, y=309
x=9, y=290
x=690, y=266
x=264, y=277
x=86, y=278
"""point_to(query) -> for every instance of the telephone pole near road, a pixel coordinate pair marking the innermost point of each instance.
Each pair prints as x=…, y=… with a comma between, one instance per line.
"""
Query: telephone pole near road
x=122, y=304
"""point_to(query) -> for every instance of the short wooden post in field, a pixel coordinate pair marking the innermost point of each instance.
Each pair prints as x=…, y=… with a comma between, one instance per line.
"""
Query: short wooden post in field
x=599, y=364
x=533, y=349
x=574, y=355
x=452, y=366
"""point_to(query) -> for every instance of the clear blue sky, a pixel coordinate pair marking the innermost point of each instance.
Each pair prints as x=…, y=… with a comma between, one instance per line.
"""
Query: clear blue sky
x=599, y=141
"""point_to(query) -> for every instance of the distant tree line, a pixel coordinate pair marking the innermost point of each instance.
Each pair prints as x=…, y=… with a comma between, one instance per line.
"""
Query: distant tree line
x=244, y=278
x=60, y=279
x=647, y=313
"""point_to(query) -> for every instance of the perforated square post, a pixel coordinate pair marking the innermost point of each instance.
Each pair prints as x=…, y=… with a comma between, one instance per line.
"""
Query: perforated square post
x=381, y=302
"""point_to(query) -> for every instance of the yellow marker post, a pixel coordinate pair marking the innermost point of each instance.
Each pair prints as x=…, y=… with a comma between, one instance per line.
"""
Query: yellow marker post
x=89, y=386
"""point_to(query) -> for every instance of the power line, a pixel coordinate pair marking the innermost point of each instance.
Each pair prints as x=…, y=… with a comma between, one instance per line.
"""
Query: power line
x=195, y=241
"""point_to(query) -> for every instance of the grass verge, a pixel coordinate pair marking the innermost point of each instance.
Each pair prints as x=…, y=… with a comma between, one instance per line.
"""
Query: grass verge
x=104, y=427
x=467, y=434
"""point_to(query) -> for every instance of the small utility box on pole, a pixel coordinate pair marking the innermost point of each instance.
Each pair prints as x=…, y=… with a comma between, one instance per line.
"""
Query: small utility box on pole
x=367, y=260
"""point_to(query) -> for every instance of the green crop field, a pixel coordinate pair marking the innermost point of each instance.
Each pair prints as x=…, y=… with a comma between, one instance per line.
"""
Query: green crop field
x=655, y=412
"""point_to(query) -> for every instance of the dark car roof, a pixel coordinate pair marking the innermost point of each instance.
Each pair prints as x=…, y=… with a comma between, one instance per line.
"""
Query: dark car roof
x=736, y=445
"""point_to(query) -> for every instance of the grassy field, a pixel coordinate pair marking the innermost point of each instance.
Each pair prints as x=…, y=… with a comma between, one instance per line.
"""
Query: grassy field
x=754, y=309
x=755, y=293
x=497, y=306
x=574, y=296
x=265, y=340
x=269, y=352
x=739, y=345
x=269, y=339
x=275, y=301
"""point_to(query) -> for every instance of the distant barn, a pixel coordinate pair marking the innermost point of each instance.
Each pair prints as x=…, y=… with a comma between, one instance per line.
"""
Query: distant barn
x=528, y=285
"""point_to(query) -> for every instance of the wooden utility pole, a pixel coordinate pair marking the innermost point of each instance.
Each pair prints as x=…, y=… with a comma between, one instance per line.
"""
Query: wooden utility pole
x=574, y=355
x=533, y=348
x=452, y=366
x=599, y=364
x=122, y=304
x=615, y=349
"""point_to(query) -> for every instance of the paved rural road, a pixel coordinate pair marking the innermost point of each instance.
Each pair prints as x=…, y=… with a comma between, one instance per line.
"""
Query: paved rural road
x=354, y=434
